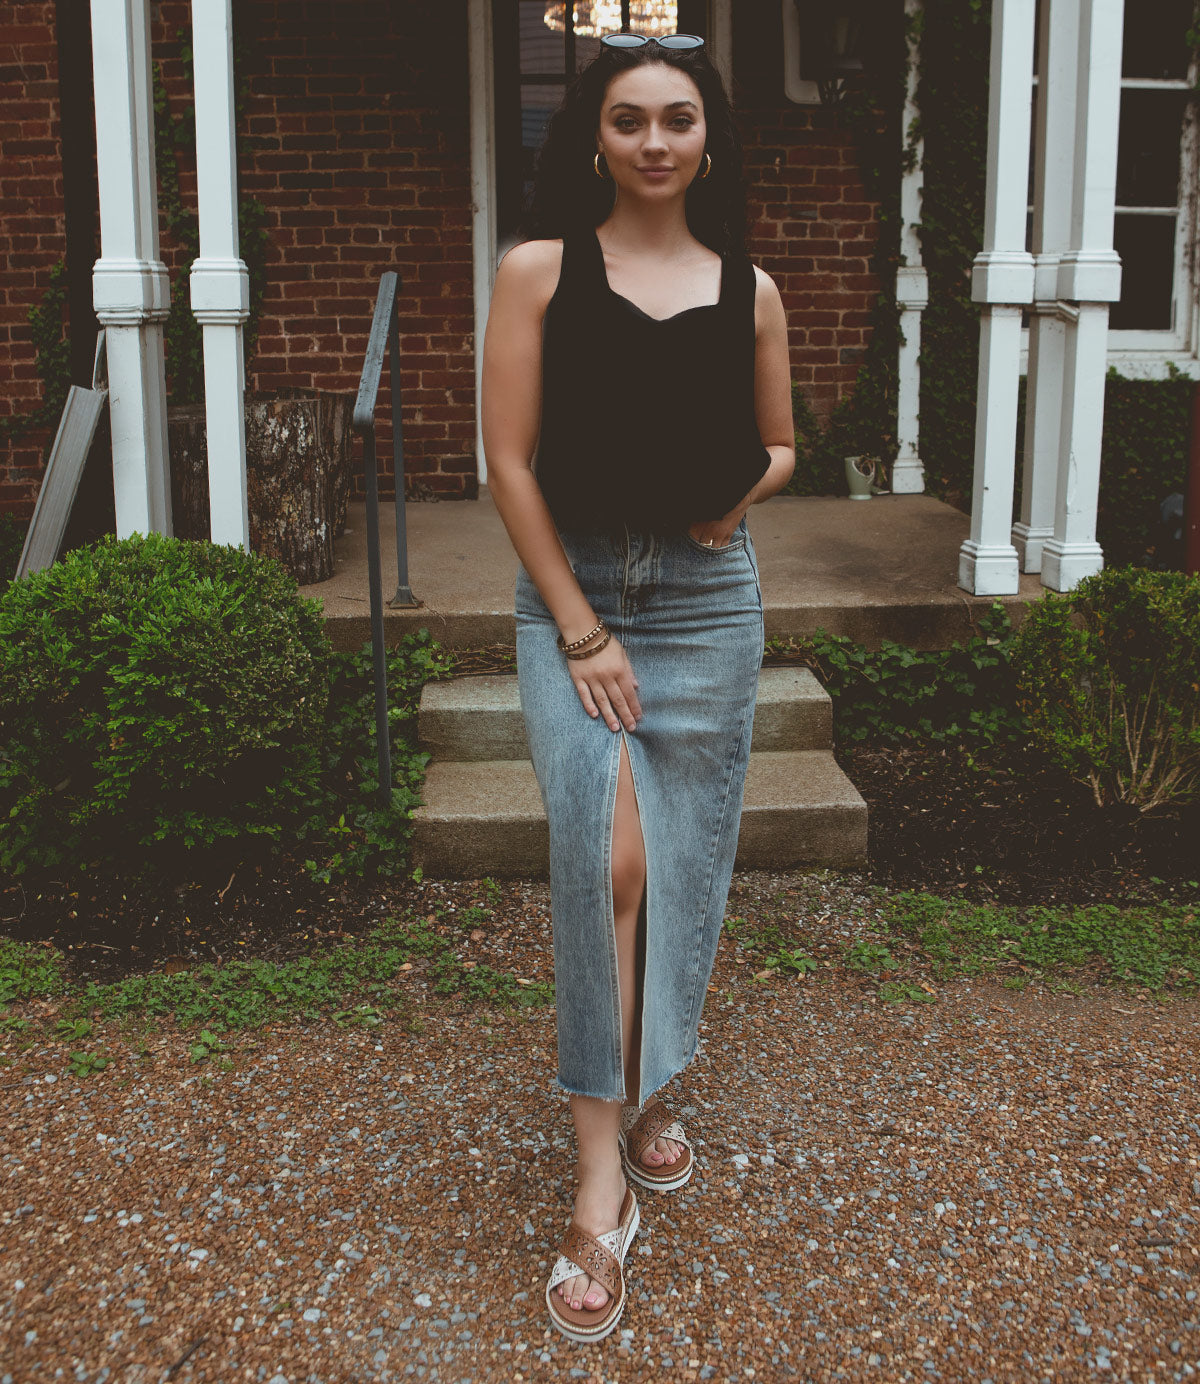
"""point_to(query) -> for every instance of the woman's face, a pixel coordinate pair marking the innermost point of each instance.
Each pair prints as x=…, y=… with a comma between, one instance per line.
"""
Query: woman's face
x=652, y=130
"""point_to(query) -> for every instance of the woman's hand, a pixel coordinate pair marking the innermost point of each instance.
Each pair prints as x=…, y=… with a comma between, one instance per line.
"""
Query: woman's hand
x=607, y=686
x=720, y=531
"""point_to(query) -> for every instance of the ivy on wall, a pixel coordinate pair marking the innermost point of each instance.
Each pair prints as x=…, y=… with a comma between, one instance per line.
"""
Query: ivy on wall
x=1144, y=457
x=52, y=357
x=954, y=41
x=864, y=419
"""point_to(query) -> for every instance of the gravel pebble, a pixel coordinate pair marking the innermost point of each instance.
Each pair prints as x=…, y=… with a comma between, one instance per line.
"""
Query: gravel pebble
x=997, y=1186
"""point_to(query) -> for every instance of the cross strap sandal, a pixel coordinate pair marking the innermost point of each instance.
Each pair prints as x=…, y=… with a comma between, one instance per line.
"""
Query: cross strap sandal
x=600, y=1257
x=639, y=1129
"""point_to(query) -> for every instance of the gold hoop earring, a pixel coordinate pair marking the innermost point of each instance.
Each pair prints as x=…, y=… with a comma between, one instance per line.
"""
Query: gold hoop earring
x=707, y=164
x=596, y=165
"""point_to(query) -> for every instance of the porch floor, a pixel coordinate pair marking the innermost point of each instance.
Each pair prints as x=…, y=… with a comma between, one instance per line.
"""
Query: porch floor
x=885, y=568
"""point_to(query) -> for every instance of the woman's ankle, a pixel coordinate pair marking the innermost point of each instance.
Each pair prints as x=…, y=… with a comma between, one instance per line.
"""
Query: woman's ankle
x=600, y=1167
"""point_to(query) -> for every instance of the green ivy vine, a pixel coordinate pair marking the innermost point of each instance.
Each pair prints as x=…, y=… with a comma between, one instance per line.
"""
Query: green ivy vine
x=864, y=420
x=52, y=356
x=954, y=43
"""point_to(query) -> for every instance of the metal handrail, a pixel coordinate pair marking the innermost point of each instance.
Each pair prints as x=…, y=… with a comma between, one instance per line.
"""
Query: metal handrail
x=381, y=342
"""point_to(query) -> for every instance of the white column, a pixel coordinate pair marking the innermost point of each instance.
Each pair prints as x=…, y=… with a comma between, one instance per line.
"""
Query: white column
x=1054, y=158
x=1002, y=280
x=220, y=286
x=912, y=289
x=130, y=289
x=1090, y=275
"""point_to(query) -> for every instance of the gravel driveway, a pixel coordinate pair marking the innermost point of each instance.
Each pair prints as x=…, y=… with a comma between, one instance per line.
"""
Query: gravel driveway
x=996, y=1186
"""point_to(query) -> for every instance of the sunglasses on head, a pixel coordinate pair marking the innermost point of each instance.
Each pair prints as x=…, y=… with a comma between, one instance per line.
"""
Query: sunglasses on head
x=640, y=40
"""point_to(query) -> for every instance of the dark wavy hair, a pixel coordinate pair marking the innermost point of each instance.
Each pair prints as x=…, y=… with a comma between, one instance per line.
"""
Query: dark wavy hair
x=567, y=195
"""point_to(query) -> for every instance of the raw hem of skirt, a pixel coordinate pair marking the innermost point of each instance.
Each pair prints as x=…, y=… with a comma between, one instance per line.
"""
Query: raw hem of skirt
x=561, y=1086
x=557, y=1084
x=687, y=1062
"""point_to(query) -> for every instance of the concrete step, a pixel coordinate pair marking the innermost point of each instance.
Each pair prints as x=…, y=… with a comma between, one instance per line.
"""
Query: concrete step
x=479, y=718
x=486, y=817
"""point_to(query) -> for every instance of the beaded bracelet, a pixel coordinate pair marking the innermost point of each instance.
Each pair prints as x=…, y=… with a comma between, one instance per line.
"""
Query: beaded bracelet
x=579, y=643
x=595, y=649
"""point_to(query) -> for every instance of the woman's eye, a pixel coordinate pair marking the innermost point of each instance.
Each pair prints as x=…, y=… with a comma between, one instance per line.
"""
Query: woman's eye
x=682, y=122
x=626, y=122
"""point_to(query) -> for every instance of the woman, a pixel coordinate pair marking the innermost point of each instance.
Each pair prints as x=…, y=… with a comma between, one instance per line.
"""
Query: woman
x=635, y=365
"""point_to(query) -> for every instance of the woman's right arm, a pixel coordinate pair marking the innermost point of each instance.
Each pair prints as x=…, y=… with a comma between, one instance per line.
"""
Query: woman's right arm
x=511, y=417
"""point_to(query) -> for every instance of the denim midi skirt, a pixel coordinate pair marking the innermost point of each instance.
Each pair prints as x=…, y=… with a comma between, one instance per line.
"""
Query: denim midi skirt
x=690, y=619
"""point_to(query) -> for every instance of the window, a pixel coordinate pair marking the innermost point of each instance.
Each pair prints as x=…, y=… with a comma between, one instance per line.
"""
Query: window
x=1154, y=223
x=1156, y=172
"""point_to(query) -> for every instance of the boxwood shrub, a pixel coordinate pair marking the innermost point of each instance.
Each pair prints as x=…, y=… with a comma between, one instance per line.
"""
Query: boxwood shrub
x=156, y=695
x=1109, y=677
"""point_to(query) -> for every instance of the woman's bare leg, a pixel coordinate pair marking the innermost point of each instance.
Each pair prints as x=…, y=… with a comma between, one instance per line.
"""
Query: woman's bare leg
x=601, y=1181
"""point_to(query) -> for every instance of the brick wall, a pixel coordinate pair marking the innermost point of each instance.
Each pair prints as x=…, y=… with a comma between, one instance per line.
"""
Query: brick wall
x=357, y=145
x=357, y=131
x=32, y=230
x=814, y=229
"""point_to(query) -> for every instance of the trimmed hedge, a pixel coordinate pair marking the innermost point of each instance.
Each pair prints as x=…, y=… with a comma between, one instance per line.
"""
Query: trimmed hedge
x=156, y=695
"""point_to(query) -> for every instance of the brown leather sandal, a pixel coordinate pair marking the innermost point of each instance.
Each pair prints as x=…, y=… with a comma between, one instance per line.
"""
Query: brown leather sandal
x=639, y=1129
x=600, y=1257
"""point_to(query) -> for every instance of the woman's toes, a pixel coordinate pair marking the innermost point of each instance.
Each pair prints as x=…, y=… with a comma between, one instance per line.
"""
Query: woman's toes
x=595, y=1296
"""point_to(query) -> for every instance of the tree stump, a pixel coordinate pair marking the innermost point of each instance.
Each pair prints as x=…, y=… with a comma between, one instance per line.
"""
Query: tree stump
x=297, y=477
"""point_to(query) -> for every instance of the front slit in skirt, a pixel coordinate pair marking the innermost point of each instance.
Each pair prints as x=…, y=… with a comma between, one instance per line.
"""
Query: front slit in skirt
x=690, y=619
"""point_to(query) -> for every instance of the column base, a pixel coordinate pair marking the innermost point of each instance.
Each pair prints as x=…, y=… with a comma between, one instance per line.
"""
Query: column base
x=1029, y=539
x=1064, y=565
x=988, y=571
x=908, y=476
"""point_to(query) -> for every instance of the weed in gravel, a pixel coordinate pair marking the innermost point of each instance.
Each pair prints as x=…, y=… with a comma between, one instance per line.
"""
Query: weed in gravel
x=767, y=943
x=1143, y=946
x=904, y=991
x=84, y=1064
x=868, y=957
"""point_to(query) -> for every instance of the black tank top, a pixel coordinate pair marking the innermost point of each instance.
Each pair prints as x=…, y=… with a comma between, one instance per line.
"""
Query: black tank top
x=646, y=422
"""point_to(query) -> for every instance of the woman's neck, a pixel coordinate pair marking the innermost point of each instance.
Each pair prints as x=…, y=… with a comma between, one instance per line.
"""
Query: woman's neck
x=662, y=230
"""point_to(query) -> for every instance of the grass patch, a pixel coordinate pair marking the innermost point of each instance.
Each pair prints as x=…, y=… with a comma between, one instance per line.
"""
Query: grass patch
x=356, y=983
x=28, y=970
x=1147, y=946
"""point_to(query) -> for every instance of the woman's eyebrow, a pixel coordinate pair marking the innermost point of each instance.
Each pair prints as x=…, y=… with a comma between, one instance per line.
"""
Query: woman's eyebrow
x=670, y=106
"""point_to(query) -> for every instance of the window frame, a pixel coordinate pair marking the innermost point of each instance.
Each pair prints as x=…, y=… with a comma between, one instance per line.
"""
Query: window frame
x=1143, y=353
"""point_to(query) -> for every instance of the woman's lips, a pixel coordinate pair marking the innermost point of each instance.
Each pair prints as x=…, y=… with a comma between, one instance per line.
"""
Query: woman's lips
x=656, y=172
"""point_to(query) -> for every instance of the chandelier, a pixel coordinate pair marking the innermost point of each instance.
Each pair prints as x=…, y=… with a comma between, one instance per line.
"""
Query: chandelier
x=595, y=17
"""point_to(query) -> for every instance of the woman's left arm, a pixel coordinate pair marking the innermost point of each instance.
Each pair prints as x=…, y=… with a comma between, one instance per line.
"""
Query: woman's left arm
x=772, y=408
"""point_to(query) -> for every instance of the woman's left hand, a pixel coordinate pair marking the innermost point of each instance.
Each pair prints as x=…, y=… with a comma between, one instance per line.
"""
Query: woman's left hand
x=716, y=533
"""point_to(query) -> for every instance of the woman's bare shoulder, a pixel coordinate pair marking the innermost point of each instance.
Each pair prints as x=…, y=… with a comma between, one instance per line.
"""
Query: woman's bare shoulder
x=764, y=284
x=532, y=268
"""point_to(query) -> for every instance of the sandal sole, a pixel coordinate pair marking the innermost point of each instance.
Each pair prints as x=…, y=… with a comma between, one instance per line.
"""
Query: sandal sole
x=672, y=1185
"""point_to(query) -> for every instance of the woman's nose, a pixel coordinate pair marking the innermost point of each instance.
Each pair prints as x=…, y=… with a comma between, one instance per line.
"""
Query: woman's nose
x=655, y=137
